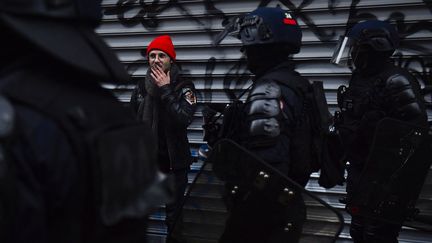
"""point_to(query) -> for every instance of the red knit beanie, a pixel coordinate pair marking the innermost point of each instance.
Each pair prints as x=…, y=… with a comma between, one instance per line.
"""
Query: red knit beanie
x=162, y=43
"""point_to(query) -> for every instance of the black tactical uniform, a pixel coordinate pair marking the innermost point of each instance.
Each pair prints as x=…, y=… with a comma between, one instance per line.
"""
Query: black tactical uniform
x=78, y=167
x=270, y=122
x=269, y=134
x=377, y=90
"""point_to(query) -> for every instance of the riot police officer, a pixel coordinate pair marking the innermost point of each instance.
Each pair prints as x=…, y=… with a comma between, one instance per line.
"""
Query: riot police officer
x=273, y=124
x=377, y=90
x=75, y=164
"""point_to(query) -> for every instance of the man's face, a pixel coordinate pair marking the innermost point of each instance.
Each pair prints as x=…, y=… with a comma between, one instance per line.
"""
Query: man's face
x=159, y=58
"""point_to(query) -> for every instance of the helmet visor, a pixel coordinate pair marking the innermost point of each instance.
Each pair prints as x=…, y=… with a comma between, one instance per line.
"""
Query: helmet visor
x=342, y=53
x=231, y=28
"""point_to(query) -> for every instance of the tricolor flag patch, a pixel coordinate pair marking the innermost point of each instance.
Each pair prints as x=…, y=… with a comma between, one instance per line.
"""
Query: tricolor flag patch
x=289, y=20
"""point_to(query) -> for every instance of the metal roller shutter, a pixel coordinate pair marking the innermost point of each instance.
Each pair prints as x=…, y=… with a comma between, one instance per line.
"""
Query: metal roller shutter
x=129, y=25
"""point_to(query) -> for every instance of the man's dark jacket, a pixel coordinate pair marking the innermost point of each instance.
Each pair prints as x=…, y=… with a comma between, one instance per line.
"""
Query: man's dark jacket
x=174, y=114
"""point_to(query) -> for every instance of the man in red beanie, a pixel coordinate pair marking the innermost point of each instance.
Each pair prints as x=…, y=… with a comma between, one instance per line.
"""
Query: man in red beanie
x=168, y=103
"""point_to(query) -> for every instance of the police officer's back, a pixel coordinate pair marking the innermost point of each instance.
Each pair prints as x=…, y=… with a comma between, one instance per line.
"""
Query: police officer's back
x=377, y=90
x=73, y=169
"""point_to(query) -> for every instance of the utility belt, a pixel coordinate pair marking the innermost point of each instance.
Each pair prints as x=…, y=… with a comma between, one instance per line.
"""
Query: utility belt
x=355, y=107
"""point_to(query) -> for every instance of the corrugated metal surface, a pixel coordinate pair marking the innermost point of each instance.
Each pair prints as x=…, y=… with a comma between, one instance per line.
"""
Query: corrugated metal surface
x=129, y=25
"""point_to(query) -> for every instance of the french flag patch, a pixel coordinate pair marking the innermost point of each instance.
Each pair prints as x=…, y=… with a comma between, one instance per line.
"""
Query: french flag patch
x=289, y=20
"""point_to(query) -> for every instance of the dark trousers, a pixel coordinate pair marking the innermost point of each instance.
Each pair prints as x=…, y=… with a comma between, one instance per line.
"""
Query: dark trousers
x=173, y=218
x=365, y=230
x=173, y=209
x=257, y=221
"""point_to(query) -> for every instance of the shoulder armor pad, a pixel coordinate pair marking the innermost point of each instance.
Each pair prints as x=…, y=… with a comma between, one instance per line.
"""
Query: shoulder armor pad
x=267, y=107
x=403, y=97
x=7, y=117
x=397, y=80
x=265, y=90
x=263, y=110
x=268, y=127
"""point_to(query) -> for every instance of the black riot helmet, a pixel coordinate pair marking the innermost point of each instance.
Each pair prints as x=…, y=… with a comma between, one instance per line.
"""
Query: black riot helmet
x=265, y=26
x=269, y=36
x=367, y=43
x=64, y=29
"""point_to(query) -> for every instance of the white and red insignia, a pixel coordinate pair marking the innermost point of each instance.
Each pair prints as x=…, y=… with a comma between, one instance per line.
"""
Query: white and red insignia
x=189, y=96
x=289, y=20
